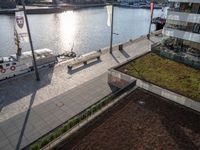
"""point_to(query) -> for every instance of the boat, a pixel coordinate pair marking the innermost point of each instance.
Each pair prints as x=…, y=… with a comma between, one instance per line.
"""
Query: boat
x=22, y=62
x=15, y=65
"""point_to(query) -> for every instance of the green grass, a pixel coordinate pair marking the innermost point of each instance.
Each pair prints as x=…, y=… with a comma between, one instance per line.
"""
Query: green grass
x=166, y=73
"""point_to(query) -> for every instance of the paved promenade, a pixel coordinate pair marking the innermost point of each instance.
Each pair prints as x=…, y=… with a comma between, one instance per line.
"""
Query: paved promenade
x=25, y=103
x=26, y=127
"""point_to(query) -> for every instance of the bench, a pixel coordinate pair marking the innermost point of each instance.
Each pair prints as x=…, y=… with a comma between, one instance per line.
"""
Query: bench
x=83, y=59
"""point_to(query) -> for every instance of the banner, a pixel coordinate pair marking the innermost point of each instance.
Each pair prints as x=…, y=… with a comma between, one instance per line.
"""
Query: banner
x=20, y=27
x=109, y=12
x=152, y=8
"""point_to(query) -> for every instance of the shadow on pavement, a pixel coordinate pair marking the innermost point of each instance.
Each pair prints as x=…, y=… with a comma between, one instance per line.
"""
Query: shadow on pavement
x=115, y=58
x=124, y=53
x=79, y=68
x=13, y=90
x=25, y=121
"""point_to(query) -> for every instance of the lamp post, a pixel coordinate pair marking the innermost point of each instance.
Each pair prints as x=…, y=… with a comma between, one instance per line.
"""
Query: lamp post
x=112, y=21
x=152, y=9
x=31, y=44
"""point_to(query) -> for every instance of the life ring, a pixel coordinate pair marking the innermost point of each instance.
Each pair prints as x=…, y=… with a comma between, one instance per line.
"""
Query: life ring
x=3, y=70
x=12, y=68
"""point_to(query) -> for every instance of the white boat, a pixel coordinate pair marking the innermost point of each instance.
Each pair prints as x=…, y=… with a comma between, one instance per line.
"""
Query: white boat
x=12, y=66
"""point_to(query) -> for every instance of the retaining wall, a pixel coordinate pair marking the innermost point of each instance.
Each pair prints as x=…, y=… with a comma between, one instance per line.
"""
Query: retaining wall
x=120, y=79
x=180, y=99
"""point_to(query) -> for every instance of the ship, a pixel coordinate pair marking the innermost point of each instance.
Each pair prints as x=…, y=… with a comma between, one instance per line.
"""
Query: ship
x=14, y=65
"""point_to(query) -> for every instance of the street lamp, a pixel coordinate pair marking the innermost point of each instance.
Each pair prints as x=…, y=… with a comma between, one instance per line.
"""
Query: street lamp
x=31, y=44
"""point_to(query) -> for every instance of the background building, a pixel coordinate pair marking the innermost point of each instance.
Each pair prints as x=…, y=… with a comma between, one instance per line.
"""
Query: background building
x=183, y=24
x=7, y=4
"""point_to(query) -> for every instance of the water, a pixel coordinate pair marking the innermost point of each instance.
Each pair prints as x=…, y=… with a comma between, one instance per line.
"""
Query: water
x=86, y=29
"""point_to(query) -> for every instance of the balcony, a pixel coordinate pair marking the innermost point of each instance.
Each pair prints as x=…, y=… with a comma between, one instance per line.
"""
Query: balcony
x=185, y=1
x=194, y=37
x=182, y=16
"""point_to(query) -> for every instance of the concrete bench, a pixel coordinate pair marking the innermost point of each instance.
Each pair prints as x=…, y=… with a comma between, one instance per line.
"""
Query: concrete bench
x=84, y=59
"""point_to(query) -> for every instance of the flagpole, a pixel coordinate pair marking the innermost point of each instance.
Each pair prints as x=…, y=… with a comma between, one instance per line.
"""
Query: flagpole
x=111, y=36
x=31, y=44
x=151, y=5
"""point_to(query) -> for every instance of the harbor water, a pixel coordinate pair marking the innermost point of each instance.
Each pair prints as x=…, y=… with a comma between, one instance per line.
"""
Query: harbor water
x=83, y=30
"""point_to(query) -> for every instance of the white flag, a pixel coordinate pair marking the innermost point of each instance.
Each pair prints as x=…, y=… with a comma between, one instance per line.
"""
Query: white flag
x=109, y=12
x=20, y=26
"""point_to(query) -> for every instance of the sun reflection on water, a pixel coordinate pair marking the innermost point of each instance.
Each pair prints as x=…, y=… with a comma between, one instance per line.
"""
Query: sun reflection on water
x=68, y=28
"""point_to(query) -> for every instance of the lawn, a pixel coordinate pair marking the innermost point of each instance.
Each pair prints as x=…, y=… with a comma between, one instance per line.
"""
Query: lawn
x=165, y=73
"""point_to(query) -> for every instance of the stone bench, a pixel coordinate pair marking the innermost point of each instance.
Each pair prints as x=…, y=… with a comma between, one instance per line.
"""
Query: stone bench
x=84, y=59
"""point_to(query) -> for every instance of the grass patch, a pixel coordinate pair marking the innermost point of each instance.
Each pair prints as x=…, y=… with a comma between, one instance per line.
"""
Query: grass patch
x=166, y=73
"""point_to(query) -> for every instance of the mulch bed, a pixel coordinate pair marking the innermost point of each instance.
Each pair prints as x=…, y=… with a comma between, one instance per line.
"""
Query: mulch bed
x=141, y=121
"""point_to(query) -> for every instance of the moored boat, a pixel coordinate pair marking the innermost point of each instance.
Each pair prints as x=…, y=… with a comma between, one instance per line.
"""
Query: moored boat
x=15, y=65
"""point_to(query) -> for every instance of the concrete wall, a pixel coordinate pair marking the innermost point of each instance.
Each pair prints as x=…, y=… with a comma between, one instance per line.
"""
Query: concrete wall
x=169, y=95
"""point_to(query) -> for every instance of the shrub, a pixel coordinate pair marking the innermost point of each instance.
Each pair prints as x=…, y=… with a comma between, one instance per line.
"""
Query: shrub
x=63, y=130
x=88, y=112
x=94, y=109
x=44, y=142
x=35, y=147
x=57, y=133
x=51, y=137
x=66, y=127
x=70, y=123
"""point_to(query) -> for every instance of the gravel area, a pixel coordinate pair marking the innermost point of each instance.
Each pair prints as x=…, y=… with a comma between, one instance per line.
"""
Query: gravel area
x=141, y=121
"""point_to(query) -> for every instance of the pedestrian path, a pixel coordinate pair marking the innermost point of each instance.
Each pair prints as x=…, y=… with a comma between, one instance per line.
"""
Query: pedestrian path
x=26, y=127
x=30, y=109
x=15, y=95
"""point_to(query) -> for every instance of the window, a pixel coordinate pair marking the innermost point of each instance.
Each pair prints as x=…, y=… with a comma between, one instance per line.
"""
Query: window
x=7, y=65
x=196, y=28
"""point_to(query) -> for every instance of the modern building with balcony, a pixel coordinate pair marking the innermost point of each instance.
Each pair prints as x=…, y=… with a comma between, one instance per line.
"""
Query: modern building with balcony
x=7, y=4
x=183, y=25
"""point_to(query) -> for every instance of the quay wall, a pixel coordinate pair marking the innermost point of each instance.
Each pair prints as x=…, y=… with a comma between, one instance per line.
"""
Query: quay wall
x=49, y=10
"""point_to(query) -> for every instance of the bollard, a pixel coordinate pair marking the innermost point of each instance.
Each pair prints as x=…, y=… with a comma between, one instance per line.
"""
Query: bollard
x=121, y=47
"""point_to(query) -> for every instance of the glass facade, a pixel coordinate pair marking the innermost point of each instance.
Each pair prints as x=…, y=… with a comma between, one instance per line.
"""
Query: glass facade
x=189, y=29
x=182, y=45
x=184, y=26
x=185, y=7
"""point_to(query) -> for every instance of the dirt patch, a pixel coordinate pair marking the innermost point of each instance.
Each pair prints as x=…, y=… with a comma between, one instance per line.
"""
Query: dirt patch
x=141, y=121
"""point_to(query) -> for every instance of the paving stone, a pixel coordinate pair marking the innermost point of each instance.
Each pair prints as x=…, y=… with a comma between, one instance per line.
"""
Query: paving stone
x=33, y=135
x=8, y=128
x=18, y=139
x=6, y=145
